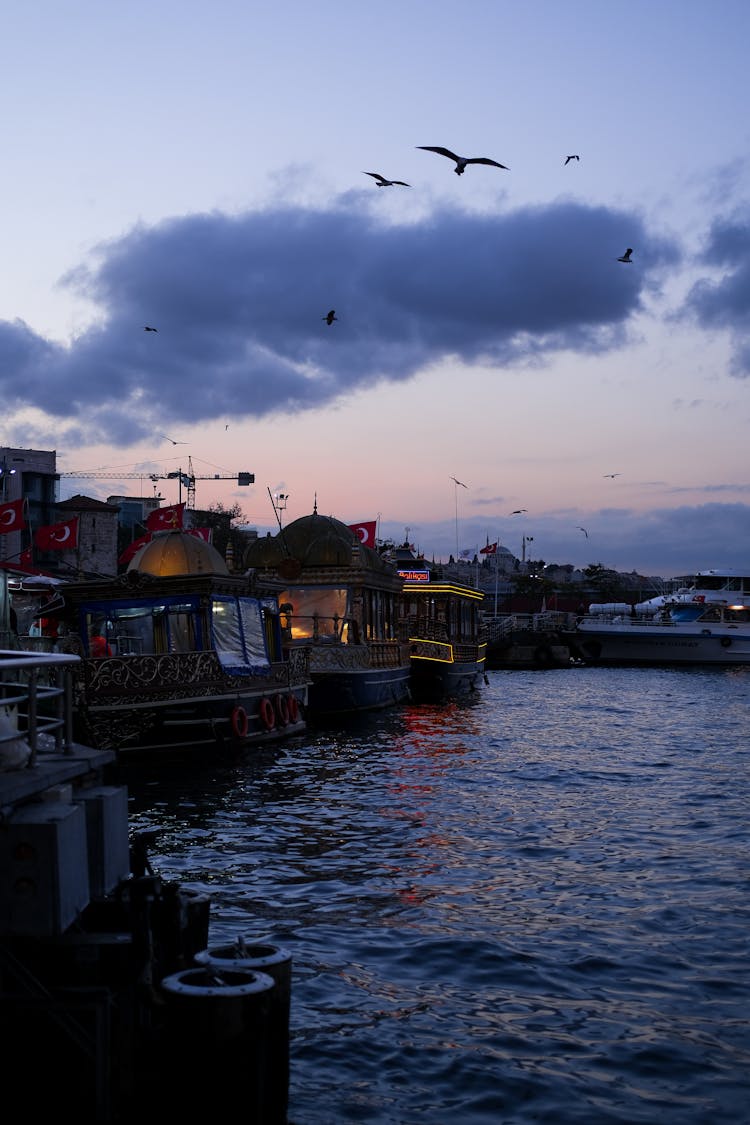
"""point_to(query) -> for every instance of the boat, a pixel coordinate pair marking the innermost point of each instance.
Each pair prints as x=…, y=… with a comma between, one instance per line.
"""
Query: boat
x=339, y=610
x=721, y=585
x=702, y=632
x=443, y=620
x=177, y=655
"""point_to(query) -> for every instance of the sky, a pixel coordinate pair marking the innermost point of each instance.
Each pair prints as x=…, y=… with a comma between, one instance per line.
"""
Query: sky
x=202, y=170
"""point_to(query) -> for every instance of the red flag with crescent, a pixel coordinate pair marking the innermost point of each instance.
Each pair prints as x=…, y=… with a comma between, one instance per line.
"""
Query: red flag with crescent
x=11, y=516
x=165, y=519
x=365, y=532
x=134, y=548
x=58, y=536
x=490, y=549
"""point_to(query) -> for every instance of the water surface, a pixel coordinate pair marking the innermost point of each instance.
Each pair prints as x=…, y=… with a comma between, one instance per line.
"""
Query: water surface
x=528, y=907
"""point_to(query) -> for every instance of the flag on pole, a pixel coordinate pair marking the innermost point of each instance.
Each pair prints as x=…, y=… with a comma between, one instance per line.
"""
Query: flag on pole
x=365, y=532
x=11, y=516
x=133, y=548
x=467, y=554
x=58, y=536
x=204, y=533
x=165, y=519
x=490, y=549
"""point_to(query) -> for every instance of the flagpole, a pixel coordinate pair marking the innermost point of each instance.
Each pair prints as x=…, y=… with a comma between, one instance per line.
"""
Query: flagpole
x=496, y=566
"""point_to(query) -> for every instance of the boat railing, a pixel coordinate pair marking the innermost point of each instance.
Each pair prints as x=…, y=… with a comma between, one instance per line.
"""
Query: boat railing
x=36, y=694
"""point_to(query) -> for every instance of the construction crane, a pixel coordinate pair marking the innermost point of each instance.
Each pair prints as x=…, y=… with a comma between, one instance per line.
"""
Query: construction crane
x=186, y=480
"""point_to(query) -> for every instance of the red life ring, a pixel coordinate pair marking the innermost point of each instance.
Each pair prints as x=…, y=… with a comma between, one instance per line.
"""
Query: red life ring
x=291, y=702
x=267, y=714
x=240, y=722
x=282, y=710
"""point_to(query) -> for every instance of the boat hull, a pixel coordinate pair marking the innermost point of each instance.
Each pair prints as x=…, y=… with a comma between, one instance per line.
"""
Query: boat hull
x=181, y=703
x=435, y=681
x=634, y=646
x=347, y=691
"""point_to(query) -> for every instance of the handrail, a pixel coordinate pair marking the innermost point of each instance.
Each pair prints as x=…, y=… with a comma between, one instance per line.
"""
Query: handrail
x=41, y=694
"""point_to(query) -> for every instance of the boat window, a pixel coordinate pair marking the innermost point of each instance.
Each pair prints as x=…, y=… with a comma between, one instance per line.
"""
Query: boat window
x=237, y=629
x=317, y=613
x=253, y=629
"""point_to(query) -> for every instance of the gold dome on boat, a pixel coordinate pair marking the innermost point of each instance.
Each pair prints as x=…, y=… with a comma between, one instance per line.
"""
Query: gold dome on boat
x=170, y=553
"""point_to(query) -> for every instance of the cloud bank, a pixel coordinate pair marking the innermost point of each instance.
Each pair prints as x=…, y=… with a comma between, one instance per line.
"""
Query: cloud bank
x=239, y=305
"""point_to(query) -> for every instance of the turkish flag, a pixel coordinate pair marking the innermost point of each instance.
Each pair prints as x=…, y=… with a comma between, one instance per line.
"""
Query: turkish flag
x=26, y=558
x=490, y=549
x=11, y=516
x=200, y=533
x=58, y=536
x=165, y=519
x=365, y=532
x=134, y=547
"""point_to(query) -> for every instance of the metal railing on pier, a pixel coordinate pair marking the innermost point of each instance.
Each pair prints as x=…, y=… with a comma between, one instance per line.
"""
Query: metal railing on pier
x=36, y=696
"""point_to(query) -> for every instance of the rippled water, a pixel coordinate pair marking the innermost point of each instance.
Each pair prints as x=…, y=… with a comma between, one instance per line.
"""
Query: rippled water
x=530, y=907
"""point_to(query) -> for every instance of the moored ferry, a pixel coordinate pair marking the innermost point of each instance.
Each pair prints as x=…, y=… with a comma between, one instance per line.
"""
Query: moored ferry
x=177, y=655
x=339, y=604
x=443, y=620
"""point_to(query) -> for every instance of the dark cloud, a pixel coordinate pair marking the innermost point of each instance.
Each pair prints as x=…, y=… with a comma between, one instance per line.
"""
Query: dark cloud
x=239, y=302
x=724, y=303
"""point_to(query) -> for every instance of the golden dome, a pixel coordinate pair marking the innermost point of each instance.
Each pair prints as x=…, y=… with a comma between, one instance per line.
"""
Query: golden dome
x=170, y=553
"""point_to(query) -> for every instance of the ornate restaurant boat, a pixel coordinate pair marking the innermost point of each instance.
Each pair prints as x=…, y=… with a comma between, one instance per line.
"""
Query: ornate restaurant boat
x=178, y=655
x=683, y=632
x=339, y=610
x=447, y=641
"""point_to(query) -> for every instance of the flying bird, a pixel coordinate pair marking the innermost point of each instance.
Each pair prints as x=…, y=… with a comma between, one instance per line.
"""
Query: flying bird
x=148, y=328
x=585, y=532
x=613, y=475
x=626, y=256
x=460, y=482
x=517, y=511
x=462, y=161
x=382, y=182
x=573, y=157
x=330, y=317
x=172, y=440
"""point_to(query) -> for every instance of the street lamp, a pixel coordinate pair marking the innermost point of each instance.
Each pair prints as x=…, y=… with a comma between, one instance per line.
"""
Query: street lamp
x=280, y=499
x=526, y=539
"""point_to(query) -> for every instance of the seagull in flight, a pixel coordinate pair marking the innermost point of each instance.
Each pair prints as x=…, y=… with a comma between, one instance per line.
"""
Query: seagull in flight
x=573, y=157
x=462, y=161
x=172, y=440
x=613, y=475
x=330, y=316
x=459, y=482
x=382, y=182
x=517, y=511
x=626, y=256
x=148, y=328
x=585, y=532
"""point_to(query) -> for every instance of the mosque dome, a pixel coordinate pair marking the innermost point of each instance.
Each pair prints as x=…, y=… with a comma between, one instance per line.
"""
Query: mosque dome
x=171, y=553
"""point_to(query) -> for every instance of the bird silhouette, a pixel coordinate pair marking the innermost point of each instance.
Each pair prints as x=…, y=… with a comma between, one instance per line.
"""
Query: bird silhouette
x=613, y=475
x=382, y=182
x=172, y=440
x=460, y=482
x=148, y=328
x=573, y=157
x=517, y=511
x=585, y=532
x=330, y=317
x=626, y=256
x=462, y=161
